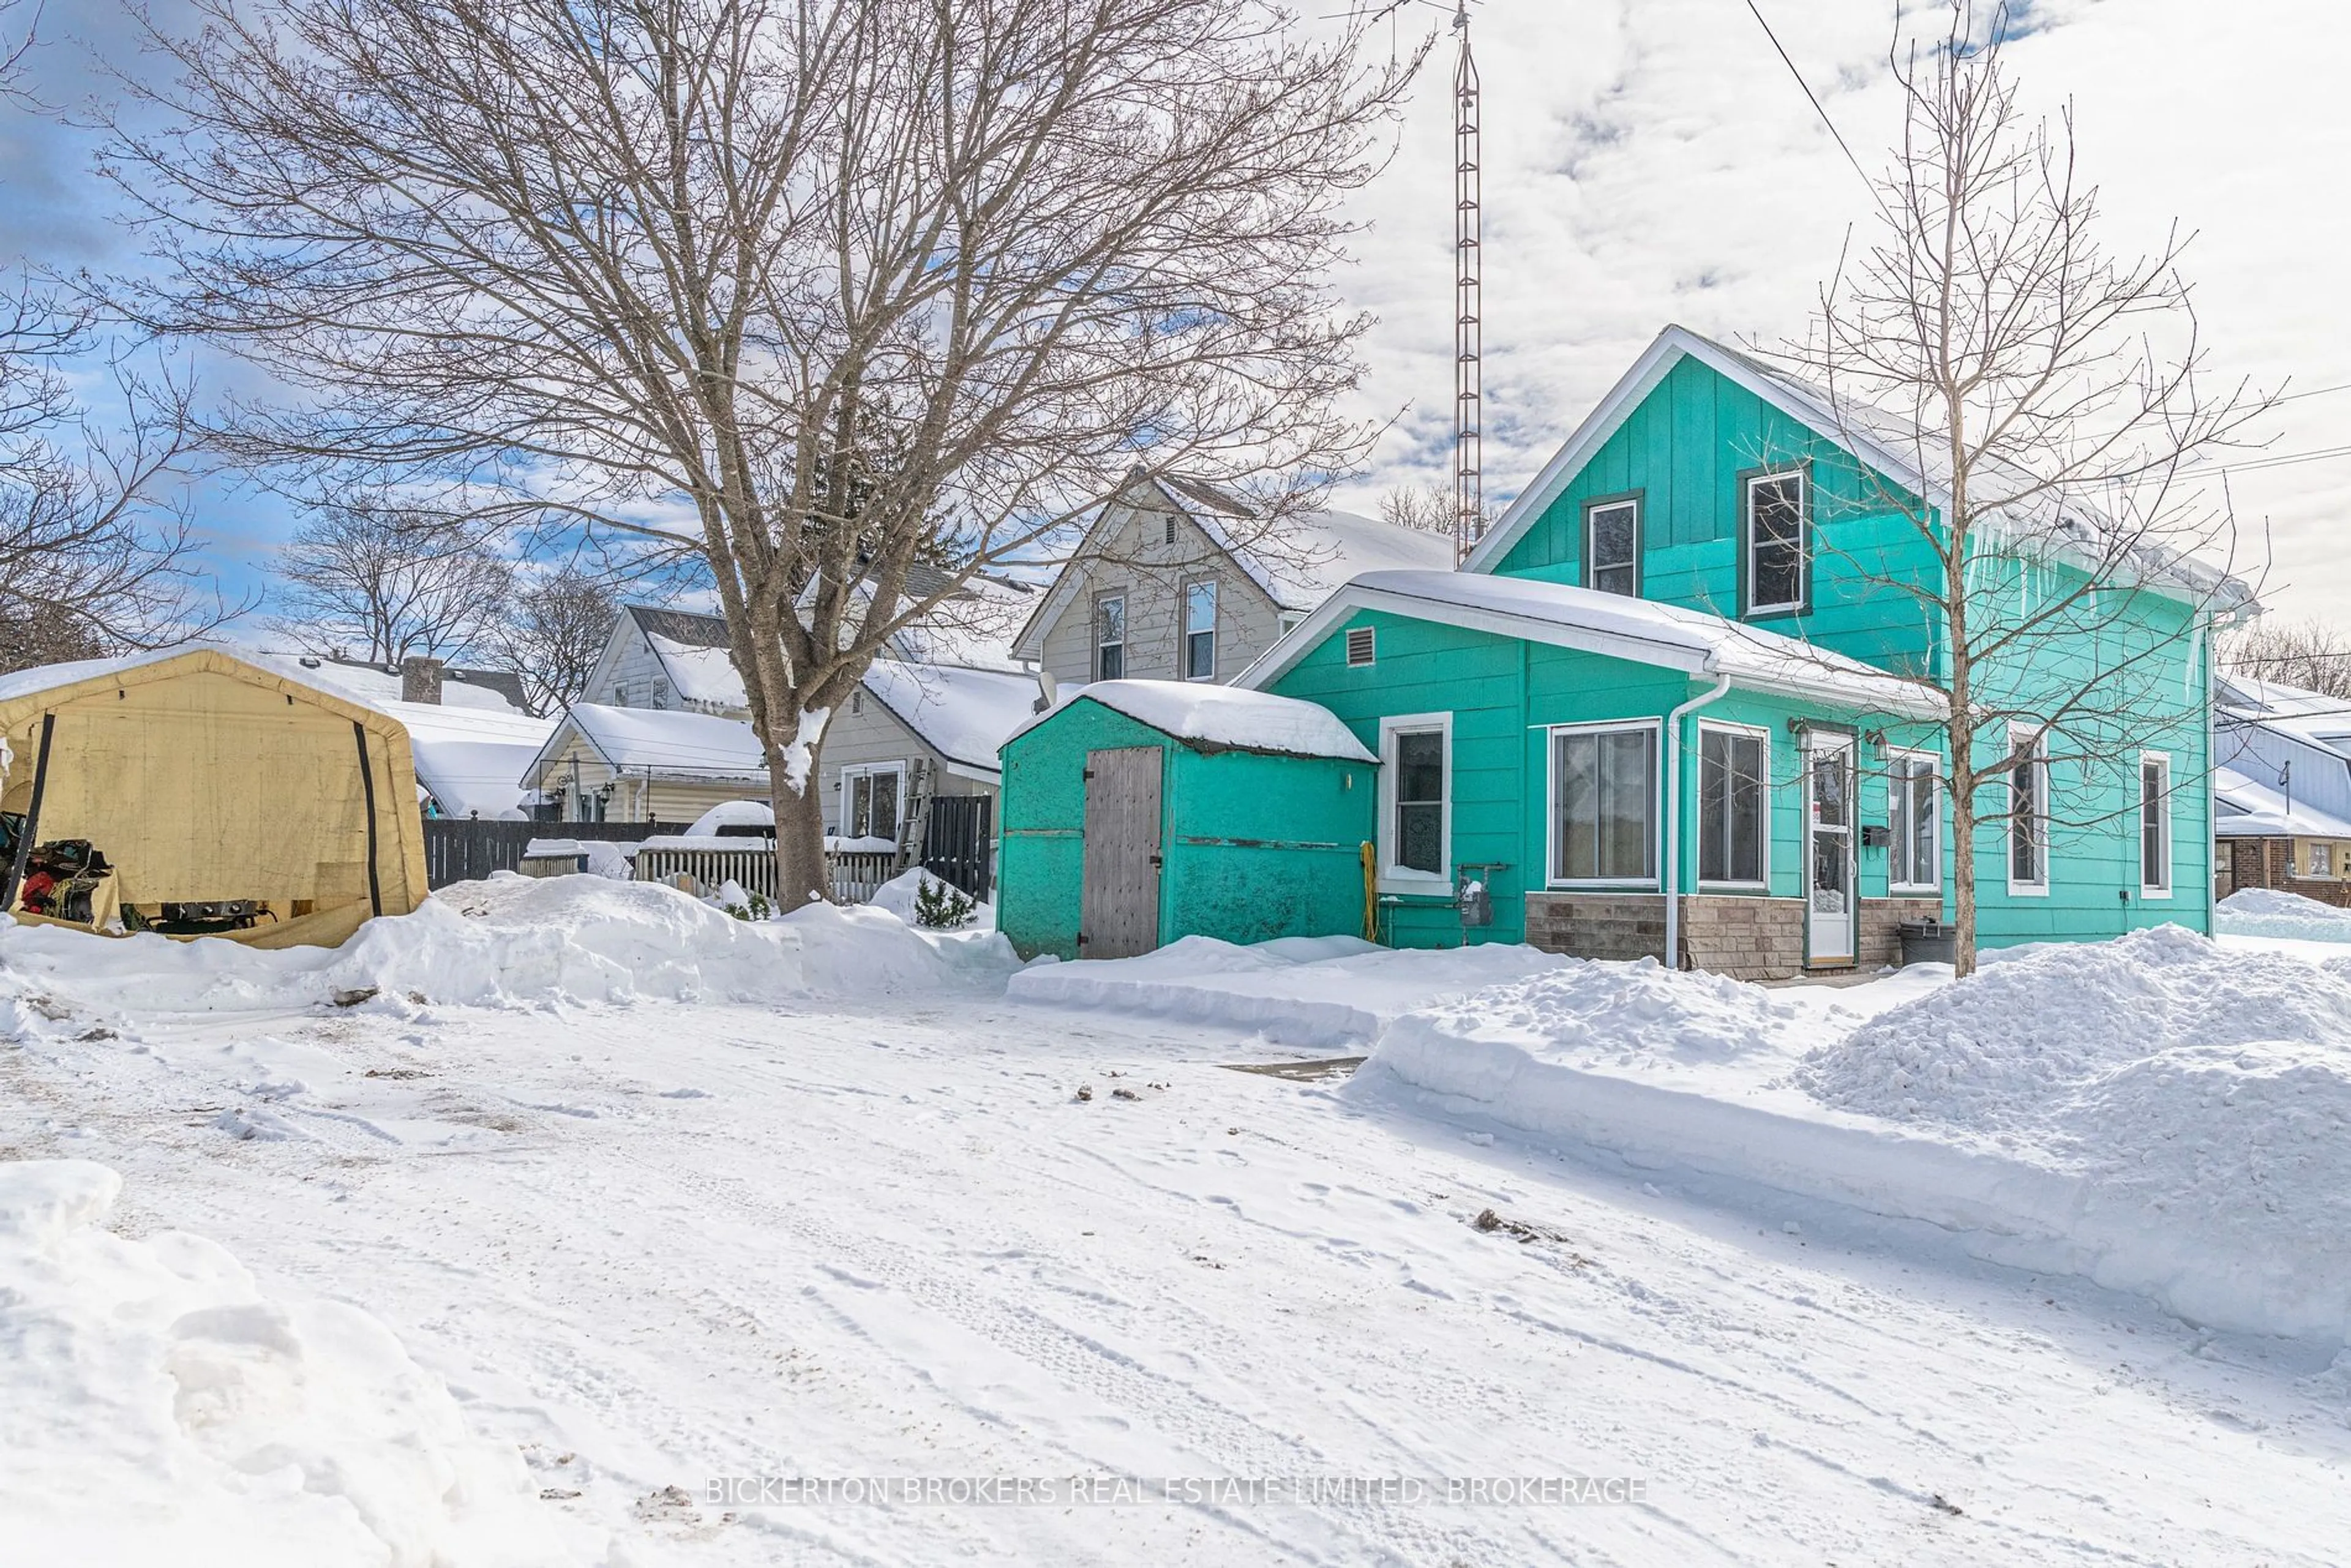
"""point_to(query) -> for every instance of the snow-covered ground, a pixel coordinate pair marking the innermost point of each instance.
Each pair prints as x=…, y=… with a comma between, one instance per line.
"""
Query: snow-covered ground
x=646, y=1198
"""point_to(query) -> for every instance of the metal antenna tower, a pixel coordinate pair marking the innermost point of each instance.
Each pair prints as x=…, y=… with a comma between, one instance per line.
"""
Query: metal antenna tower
x=1469, y=302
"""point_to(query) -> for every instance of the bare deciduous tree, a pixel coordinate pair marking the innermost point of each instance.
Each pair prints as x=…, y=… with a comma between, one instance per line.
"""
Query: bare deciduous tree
x=2053, y=397
x=853, y=284
x=367, y=574
x=95, y=554
x=2312, y=654
x=552, y=633
x=1428, y=506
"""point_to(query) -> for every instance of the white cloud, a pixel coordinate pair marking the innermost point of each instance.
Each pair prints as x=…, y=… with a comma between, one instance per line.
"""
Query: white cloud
x=1654, y=162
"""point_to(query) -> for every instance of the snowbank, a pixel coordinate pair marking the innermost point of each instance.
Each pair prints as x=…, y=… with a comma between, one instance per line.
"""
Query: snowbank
x=2155, y=1113
x=156, y=1408
x=1307, y=991
x=509, y=941
x=897, y=896
x=2266, y=911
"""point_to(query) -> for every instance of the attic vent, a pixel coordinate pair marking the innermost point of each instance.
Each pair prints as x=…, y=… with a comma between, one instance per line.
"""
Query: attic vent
x=1360, y=647
x=1169, y=520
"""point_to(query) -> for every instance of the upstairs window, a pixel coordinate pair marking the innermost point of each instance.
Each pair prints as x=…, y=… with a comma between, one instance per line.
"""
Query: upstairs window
x=1612, y=546
x=1732, y=821
x=1109, y=637
x=1773, y=537
x=2154, y=825
x=1200, y=631
x=1913, y=815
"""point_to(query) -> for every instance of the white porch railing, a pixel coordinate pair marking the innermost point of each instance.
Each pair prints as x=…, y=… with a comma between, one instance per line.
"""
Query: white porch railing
x=703, y=869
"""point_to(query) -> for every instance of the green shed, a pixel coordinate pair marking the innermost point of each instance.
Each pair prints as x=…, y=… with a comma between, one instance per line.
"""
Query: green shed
x=1139, y=811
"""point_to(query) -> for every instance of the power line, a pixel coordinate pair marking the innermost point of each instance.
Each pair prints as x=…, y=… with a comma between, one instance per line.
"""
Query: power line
x=1815, y=102
x=2284, y=460
x=2314, y=391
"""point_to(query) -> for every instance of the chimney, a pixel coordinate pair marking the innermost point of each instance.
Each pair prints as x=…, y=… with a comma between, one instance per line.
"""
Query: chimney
x=420, y=679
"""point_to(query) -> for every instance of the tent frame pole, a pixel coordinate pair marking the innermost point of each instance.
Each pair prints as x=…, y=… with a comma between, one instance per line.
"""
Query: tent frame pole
x=367, y=788
x=32, y=817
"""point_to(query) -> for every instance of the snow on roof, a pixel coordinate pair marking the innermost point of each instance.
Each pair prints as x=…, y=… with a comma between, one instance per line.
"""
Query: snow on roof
x=53, y=677
x=2305, y=714
x=1905, y=451
x=1213, y=717
x=963, y=715
x=1299, y=562
x=1640, y=630
x=664, y=743
x=470, y=758
x=2246, y=809
x=700, y=673
x=366, y=684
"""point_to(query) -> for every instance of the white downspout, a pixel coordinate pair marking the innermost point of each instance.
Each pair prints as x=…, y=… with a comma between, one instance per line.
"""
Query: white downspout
x=1670, y=878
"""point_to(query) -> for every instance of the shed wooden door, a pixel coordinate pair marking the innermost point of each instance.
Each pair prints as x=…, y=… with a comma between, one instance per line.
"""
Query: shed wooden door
x=1120, y=914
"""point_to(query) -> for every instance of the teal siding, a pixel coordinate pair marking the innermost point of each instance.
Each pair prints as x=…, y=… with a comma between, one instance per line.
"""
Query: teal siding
x=1253, y=846
x=1683, y=449
x=1480, y=680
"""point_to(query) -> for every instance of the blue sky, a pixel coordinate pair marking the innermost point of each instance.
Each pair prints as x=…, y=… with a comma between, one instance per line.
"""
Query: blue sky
x=1651, y=160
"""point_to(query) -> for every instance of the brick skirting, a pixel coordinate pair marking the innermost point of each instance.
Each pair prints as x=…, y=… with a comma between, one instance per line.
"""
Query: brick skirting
x=1748, y=938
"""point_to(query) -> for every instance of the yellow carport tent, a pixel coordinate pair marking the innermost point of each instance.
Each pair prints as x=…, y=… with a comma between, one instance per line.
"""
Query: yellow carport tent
x=201, y=777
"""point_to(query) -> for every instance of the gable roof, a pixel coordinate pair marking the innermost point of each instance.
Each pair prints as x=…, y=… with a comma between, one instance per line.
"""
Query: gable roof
x=661, y=743
x=963, y=714
x=1295, y=562
x=1210, y=717
x=1897, y=446
x=1640, y=630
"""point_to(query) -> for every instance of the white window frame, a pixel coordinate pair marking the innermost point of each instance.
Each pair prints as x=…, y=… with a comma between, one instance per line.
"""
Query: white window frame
x=1591, y=510
x=1394, y=878
x=1094, y=634
x=2039, y=763
x=1551, y=879
x=1898, y=851
x=2149, y=890
x=1183, y=632
x=1747, y=484
x=852, y=772
x=1697, y=805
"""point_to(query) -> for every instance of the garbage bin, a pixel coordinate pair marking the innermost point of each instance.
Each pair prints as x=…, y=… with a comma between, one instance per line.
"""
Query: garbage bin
x=1928, y=942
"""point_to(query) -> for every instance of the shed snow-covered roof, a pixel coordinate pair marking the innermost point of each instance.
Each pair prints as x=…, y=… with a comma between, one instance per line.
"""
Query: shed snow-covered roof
x=963, y=715
x=1222, y=718
x=1897, y=447
x=1639, y=629
x=661, y=743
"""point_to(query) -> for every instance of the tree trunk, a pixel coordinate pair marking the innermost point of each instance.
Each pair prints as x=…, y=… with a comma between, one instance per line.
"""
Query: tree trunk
x=801, y=878
x=1963, y=882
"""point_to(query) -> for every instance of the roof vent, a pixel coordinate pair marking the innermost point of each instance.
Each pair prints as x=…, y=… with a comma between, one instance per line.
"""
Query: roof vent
x=1361, y=646
x=308, y=663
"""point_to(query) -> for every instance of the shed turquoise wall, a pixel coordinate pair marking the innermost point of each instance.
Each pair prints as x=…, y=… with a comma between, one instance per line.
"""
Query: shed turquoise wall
x=1254, y=845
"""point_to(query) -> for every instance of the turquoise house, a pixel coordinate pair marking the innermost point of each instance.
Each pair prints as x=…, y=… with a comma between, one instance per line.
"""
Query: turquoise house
x=1675, y=702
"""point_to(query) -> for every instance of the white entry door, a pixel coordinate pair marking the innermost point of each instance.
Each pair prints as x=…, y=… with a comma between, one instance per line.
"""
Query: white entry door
x=1830, y=905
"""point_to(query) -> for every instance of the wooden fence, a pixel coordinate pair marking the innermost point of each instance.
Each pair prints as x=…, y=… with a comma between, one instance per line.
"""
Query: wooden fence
x=706, y=871
x=465, y=849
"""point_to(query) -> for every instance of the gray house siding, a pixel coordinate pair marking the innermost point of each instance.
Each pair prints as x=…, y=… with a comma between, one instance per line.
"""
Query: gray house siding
x=1131, y=555
x=866, y=733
